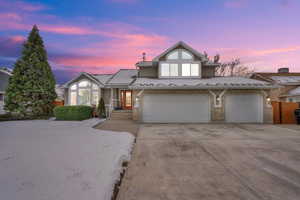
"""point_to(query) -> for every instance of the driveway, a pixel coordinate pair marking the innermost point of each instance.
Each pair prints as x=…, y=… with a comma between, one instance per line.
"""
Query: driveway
x=213, y=162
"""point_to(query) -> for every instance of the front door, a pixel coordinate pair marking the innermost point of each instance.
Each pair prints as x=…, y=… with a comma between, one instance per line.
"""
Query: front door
x=126, y=99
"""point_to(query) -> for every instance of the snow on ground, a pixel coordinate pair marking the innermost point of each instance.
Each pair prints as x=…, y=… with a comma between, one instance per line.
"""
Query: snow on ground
x=47, y=160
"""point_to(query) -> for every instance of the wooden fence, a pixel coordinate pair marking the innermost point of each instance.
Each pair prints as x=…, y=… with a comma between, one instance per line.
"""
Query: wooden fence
x=283, y=112
x=58, y=103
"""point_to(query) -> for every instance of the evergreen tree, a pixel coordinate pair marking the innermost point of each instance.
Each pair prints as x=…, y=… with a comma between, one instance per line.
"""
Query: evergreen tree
x=101, y=109
x=31, y=88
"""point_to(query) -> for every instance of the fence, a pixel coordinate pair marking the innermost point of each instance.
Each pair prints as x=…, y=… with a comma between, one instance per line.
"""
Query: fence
x=283, y=112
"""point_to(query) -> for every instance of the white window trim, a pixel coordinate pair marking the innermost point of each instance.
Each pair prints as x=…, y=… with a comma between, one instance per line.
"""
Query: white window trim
x=180, y=55
x=179, y=62
x=87, y=87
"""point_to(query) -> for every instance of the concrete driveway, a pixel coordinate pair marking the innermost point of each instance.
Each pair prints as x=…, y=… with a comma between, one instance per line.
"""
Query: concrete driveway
x=214, y=161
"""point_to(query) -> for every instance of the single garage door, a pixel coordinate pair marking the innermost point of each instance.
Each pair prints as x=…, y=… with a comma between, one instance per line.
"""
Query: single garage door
x=176, y=108
x=244, y=108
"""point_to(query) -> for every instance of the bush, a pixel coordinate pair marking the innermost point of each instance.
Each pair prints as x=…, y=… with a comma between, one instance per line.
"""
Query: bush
x=11, y=117
x=73, y=112
x=101, y=109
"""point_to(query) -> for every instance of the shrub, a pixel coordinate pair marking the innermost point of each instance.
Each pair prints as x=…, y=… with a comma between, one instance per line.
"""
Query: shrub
x=13, y=117
x=101, y=109
x=73, y=112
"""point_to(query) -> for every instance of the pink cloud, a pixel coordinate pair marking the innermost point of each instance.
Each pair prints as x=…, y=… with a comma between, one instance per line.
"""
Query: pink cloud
x=277, y=50
x=17, y=38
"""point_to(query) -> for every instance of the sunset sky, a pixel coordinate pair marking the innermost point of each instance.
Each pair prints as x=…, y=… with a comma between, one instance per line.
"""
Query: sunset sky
x=102, y=36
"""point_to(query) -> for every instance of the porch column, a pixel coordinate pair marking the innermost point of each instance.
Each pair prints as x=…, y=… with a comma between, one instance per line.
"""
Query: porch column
x=111, y=98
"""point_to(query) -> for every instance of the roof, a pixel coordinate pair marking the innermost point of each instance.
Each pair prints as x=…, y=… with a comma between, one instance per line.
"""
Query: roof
x=103, y=78
x=87, y=75
x=144, y=64
x=4, y=78
x=209, y=83
x=286, y=80
x=184, y=45
x=295, y=91
x=6, y=71
x=123, y=77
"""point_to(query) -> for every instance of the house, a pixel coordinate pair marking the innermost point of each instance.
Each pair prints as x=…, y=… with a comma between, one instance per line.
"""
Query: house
x=289, y=82
x=177, y=86
x=4, y=77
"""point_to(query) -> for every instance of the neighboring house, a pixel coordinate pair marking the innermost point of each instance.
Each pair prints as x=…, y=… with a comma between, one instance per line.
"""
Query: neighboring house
x=177, y=86
x=4, y=77
x=59, y=92
x=289, y=82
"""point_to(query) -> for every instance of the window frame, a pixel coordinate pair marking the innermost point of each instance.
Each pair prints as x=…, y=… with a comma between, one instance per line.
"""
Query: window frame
x=91, y=87
x=180, y=62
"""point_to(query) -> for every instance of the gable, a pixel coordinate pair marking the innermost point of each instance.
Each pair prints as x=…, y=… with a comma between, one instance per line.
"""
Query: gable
x=181, y=45
x=83, y=76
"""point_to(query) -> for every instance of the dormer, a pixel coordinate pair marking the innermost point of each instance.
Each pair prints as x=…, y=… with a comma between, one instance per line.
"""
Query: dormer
x=179, y=61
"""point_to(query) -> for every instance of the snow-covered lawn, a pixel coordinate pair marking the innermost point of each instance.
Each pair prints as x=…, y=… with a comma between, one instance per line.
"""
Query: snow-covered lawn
x=58, y=160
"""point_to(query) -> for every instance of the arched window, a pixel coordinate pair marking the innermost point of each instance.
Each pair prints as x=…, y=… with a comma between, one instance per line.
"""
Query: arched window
x=173, y=55
x=84, y=92
x=186, y=55
x=84, y=83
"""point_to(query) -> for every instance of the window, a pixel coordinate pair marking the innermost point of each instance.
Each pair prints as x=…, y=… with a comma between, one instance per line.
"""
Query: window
x=74, y=86
x=194, y=69
x=173, y=55
x=84, y=97
x=84, y=84
x=95, y=87
x=186, y=69
x=84, y=92
x=1, y=97
x=185, y=55
x=169, y=69
x=164, y=69
x=95, y=97
x=190, y=69
x=73, y=98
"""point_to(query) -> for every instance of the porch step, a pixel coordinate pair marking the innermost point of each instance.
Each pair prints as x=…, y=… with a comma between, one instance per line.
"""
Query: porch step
x=121, y=114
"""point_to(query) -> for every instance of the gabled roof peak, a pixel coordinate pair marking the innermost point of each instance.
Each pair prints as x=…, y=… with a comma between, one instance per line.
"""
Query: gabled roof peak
x=184, y=45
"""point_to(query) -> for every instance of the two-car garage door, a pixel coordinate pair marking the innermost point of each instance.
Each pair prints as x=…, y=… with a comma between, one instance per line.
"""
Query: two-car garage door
x=176, y=108
x=195, y=108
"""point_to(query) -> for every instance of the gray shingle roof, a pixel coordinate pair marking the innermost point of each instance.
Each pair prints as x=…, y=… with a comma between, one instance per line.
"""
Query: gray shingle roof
x=103, y=78
x=4, y=77
x=213, y=83
x=287, y=80
x=123, y=77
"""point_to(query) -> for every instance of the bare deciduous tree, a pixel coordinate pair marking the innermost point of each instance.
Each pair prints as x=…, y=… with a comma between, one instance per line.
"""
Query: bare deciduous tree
x=233, y=68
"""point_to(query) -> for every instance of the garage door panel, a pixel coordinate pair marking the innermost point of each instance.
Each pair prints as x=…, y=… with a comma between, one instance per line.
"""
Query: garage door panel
x=244, y=108
x=176, y=108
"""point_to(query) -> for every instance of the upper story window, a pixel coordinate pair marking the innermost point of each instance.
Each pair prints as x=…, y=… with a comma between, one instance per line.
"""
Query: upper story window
x=169, y=69
x=186, y=56
x=180, y=63
x=174, y=55
x=189, y=69
x=179, y=54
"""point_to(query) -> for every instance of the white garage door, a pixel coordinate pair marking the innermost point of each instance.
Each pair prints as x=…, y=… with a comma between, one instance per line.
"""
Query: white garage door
x=176, y=108
x=244, y=108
